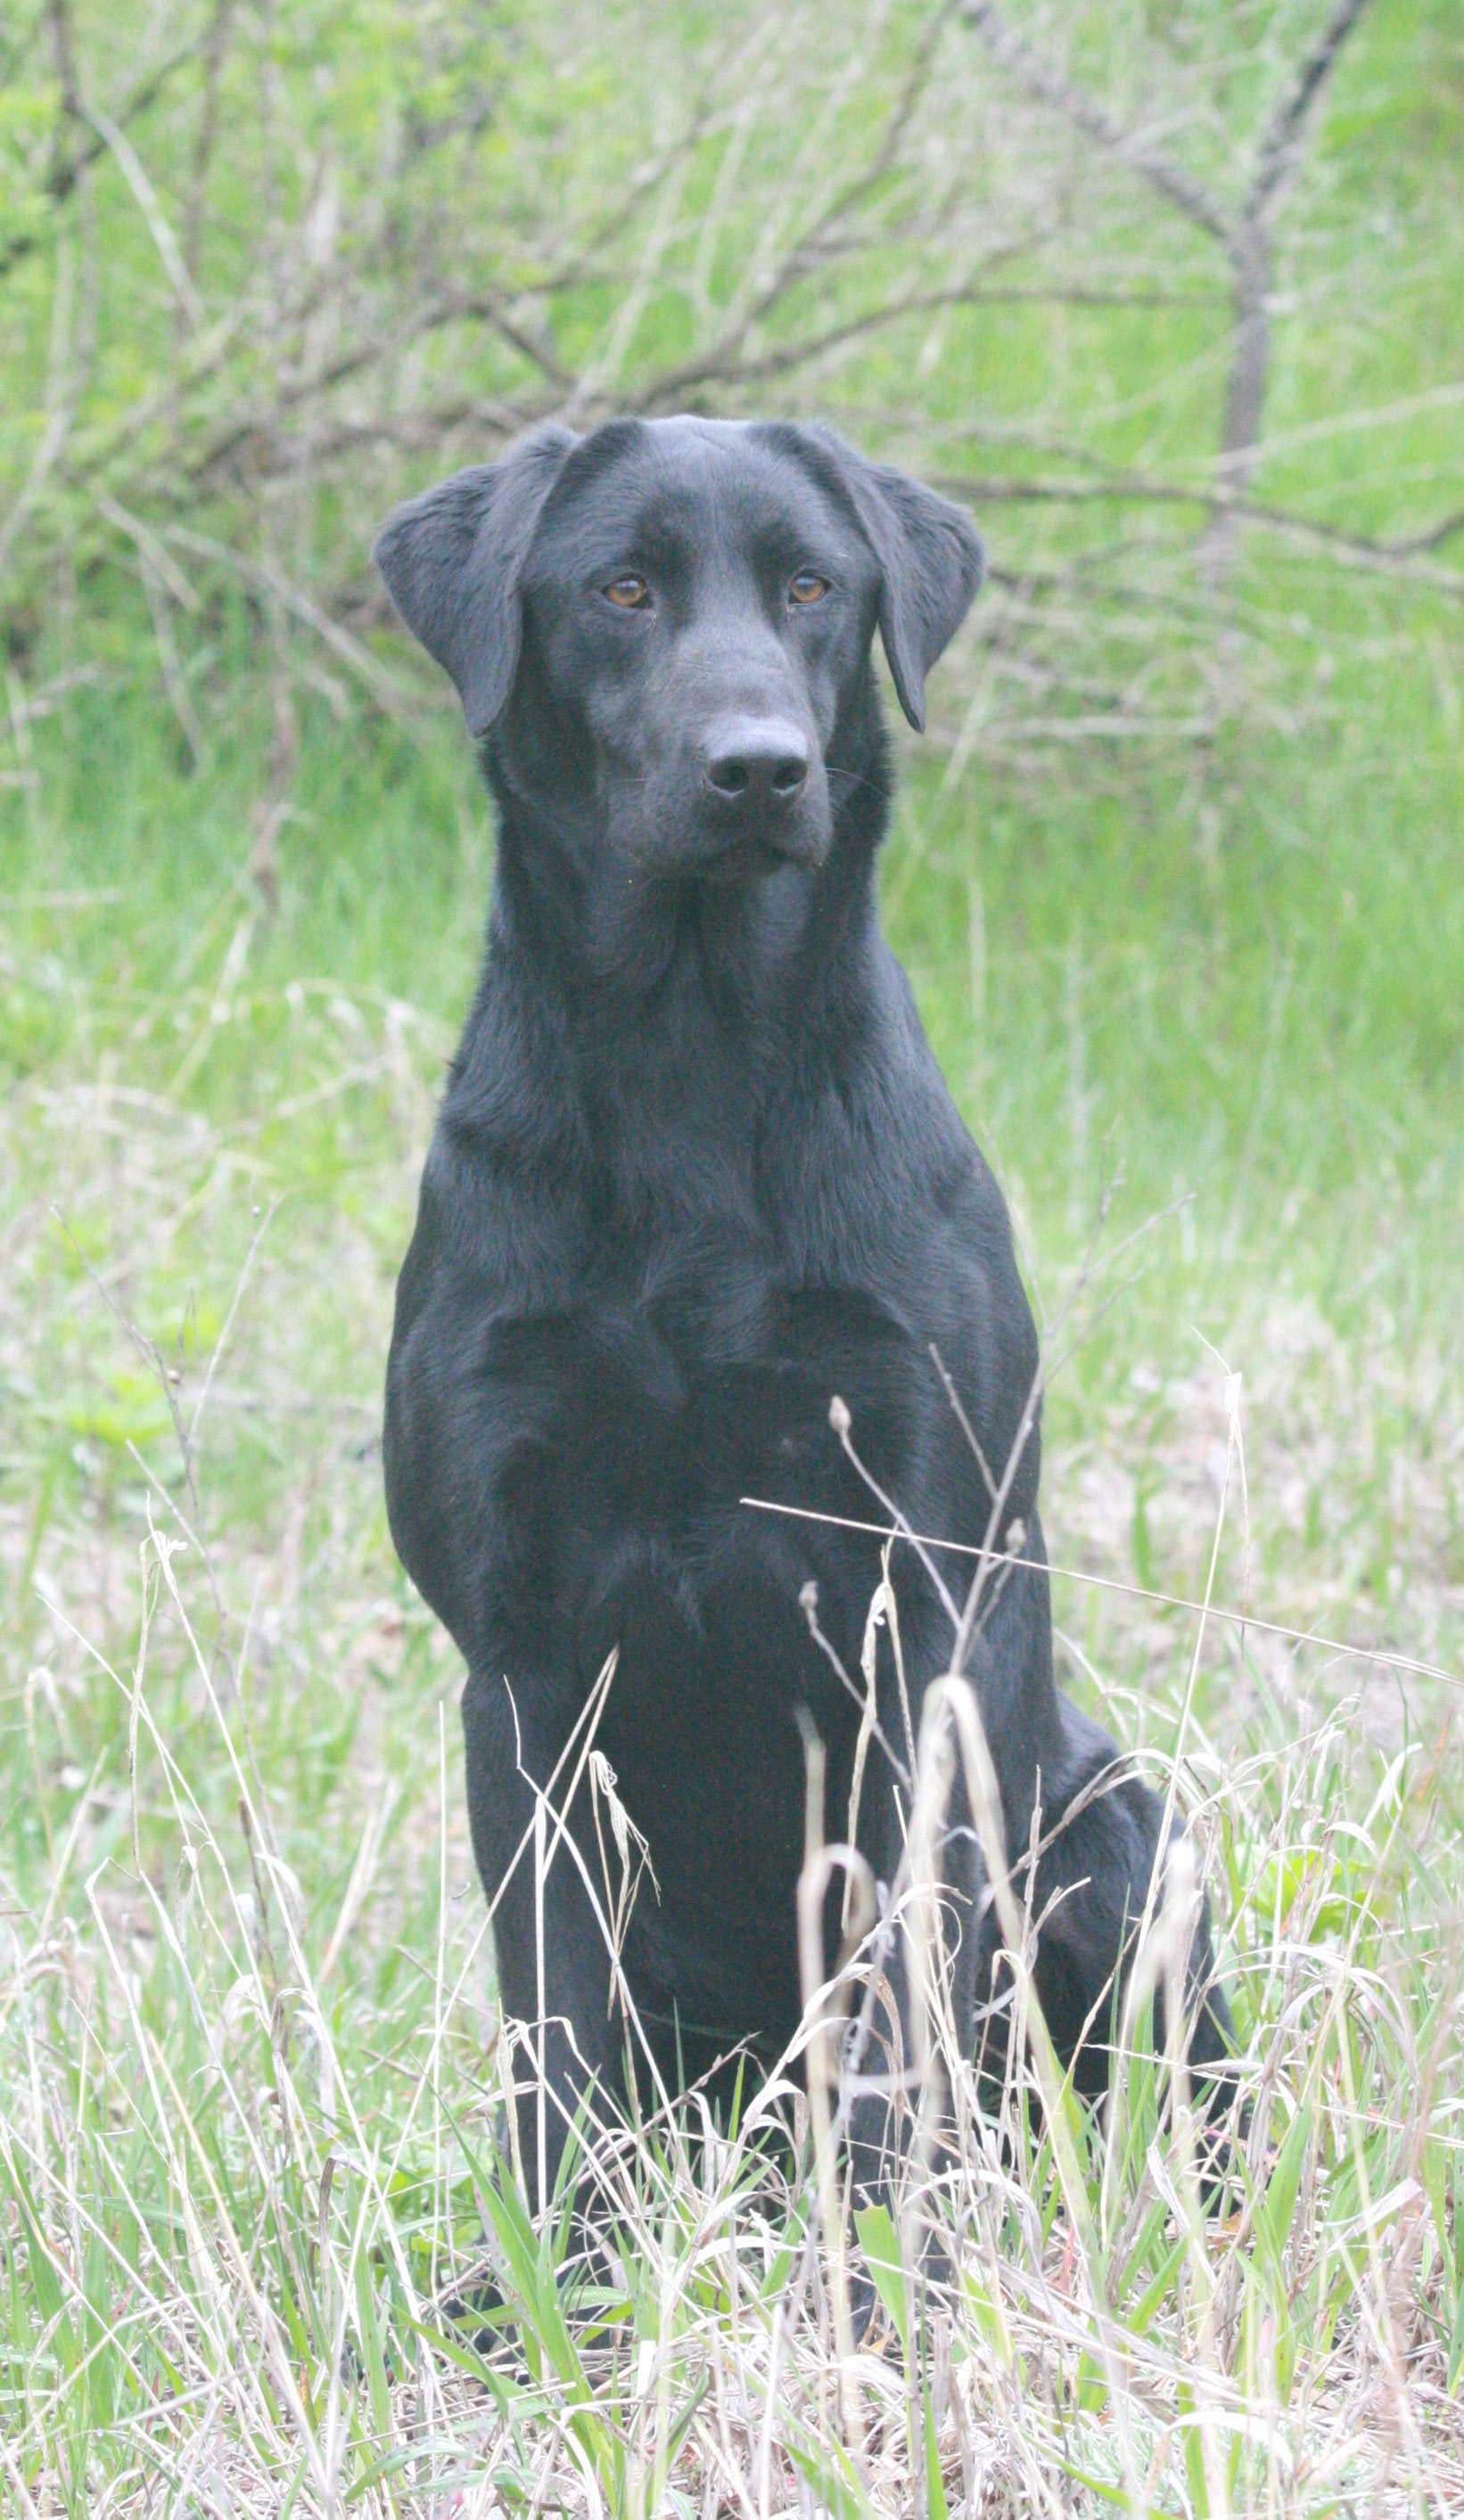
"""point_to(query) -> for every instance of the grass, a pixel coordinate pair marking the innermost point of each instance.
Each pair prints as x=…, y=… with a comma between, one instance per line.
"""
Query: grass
x=251, y=2063
x=1176, y=882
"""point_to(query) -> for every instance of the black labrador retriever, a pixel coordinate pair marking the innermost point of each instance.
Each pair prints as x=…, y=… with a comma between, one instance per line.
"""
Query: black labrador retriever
x=696, y=1173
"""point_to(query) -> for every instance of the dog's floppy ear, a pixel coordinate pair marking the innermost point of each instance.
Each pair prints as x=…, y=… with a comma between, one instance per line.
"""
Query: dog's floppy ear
x=931, y=559
x=452, y=560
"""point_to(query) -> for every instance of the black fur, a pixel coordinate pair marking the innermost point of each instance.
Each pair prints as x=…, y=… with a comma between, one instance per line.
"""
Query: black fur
x=697, y=1171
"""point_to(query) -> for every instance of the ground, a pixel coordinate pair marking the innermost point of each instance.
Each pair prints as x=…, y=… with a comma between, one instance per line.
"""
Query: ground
x=254, y=2079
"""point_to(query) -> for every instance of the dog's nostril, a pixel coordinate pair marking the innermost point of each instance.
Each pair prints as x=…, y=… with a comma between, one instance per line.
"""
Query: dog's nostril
x=756, y=757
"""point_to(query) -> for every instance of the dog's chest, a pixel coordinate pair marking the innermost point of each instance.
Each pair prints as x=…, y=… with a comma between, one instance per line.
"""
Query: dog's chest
x=704, y=1365
x=696, y=1456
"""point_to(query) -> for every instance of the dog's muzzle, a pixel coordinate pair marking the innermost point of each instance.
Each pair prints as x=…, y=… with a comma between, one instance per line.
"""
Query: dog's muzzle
x=757, y=774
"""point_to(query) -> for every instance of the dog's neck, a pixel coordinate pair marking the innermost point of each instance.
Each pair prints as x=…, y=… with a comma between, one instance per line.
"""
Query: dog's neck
x=628, y=1059
x=637, y=1103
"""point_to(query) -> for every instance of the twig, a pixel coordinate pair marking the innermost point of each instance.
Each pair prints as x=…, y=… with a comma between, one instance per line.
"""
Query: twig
x=139, y=184
x=1042, y=80
x=215, y=45
x=272, y=580
x=1108, y=1584
x=729, y=367
x=1394, y=558
x=1245, y=232
x=1251, y=250
x=67, y=171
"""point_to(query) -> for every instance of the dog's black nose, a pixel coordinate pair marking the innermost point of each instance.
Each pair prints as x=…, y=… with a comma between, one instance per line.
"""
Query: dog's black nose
x=757, y=761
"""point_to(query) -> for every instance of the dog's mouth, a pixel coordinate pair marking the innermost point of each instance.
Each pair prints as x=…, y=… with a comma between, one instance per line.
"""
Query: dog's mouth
x=751, y=857
x=738, y=846
x=747, y=857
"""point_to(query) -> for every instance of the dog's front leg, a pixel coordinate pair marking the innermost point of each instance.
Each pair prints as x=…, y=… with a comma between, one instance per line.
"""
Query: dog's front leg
x=554, y=1965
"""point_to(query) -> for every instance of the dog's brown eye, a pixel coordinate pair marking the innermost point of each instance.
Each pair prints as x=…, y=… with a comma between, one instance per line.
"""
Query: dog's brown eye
x=629, y=592
x=808, y=587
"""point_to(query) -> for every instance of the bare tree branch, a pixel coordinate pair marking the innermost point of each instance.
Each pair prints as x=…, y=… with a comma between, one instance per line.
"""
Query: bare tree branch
x=1244, y=233
x=272, y=581
x=140, y=185
x=62, y=179
x=216, y=46
x=1130, y=148
x=1398, y=558
x=1252, y=255
x=664, y=391
x=818, y=241
x=1280, y=147
x=776, y=214
x=1432, y=536
x=260, y=428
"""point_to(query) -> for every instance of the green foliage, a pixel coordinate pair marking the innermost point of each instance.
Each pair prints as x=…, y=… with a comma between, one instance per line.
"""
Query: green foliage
x=1175, y=876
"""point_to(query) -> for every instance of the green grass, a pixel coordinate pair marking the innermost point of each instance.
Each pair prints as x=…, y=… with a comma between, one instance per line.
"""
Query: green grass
x=1175, y=875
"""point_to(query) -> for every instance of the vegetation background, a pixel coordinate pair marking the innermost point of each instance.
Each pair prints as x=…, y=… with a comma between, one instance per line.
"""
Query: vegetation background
x=1173, y=293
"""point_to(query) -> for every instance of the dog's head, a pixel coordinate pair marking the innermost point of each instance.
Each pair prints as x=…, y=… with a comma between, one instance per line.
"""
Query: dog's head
x=670, y=621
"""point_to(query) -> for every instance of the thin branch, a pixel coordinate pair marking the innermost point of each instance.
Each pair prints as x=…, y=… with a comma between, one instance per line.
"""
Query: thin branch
x=816, y=242
x=139, y=184
x=897, y=122
x=151, y=550
x=701, y=121
x=417, y=432
x=1042, y=80
x=1431, y=535
x=1252, y=255
x=60, y=402
x=40, y=704
x=1394, y=558
x=375, y=351
x=271, y=581
x=1347, y=423
x=58, y=22
x=789, y=355
x=1244, y=233
x=216, y=46
x=489, y=308
x=1280, y=147
x=64, y=175
x=174, y=681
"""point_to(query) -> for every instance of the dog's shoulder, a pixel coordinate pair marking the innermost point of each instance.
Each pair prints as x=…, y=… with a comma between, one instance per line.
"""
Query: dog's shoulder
x=871, y=1154
x=498, y=1202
